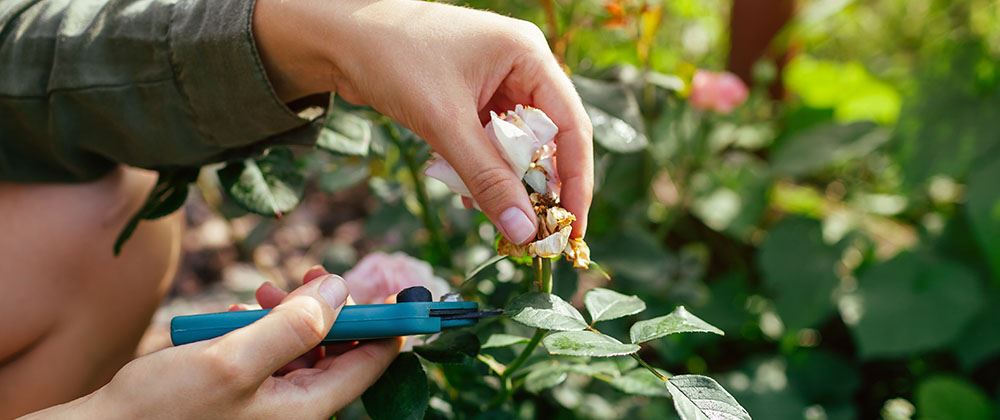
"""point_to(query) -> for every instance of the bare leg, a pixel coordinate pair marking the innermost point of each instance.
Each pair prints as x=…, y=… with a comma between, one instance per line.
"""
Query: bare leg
x=70, y=312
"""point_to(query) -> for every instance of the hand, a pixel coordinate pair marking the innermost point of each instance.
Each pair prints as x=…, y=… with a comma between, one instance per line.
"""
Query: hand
x=439, y=70
x=231, y=376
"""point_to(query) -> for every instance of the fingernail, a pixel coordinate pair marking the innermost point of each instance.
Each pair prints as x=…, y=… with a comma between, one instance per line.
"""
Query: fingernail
x=516, y=225
x=333, y=291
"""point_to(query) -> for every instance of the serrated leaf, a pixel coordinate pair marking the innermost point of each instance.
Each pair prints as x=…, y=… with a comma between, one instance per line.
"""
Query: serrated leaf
x=678, y=321
x=270, y=185
x=545, y=376
x=345, y=134
x=586, y=343
x=614, y=113
x=543, y=310
x=700, y=397
x=604, y=304
x=452, y=346
x=401, y=392
x=641, y=382
x=504, y=340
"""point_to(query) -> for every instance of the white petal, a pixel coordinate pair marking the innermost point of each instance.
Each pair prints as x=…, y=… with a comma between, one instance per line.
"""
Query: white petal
x=536, y=180
x=516, y=146
x=539, y=123
x=552, y=246
x=441, y=170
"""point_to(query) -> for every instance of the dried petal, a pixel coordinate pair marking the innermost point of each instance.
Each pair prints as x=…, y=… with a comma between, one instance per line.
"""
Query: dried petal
x=441, y=170
x=578, y=253
x=556, y=218
x=505, y=247
x=552, y=246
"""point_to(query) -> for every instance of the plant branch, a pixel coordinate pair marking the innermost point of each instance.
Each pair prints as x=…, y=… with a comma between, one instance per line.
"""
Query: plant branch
x=543, y=279
x=426, y=209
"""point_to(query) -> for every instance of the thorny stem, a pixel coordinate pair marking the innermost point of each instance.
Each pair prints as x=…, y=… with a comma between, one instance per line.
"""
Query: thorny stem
x=543, y=279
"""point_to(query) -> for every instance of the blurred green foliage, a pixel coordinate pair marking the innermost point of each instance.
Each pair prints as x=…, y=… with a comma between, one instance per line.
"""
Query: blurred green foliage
x=845, y=236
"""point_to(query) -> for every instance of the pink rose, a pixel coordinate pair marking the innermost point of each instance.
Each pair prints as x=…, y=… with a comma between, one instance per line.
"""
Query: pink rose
x=717, y=91
x=379, y=275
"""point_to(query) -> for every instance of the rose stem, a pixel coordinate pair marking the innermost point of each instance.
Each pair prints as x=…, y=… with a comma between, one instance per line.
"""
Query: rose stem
x=426, y=210
x=543, y=278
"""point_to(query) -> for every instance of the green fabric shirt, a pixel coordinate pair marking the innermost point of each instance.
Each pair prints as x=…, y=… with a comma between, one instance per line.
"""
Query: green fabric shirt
x=87, y=84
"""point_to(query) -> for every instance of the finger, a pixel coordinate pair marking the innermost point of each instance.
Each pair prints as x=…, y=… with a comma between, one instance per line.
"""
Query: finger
x=575, y=150
x=314, y=273
x=348, y=375
x=290, y=330
x=237, y=307
x=494, y=186
x=268, y=295
x=467, y=202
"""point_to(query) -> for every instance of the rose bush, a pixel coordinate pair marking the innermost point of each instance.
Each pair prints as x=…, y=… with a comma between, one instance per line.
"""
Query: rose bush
x=805, y=227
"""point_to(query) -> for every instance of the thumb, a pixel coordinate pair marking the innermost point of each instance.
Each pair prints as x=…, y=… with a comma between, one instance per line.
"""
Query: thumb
x=493, y=184
x=290, y=330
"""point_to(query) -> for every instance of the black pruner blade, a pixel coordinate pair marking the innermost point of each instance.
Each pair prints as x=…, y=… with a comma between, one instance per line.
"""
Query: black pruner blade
x=452, y=314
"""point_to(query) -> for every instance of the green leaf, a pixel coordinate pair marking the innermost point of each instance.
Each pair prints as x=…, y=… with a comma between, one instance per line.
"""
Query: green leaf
x=585, y=343
x=544, y=376
x=270, y=185
x=504, y=340
x=944, y=397
x=168, y=195
x=700, y=397
x=452, y=346
x=641, y=382
x=346, y=175
x=401, y=392
x=597, y=368
x=345, y=134
x=614, y=112
x=819, y=147
x=914, y=303
x=798, y=269
x=543, y=310
x=948, y=125
x=981, y=339
x=604, y=304
x=983, y=209
x=678, y=321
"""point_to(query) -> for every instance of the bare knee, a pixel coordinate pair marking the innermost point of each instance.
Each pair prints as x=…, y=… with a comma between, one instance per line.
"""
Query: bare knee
x=64, y=290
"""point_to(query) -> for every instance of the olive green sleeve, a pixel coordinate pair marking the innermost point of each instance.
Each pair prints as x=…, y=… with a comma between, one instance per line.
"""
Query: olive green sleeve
x=87, y=84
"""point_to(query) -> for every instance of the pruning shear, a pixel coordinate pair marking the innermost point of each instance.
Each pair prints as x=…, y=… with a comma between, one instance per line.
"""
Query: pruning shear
x=413, y=313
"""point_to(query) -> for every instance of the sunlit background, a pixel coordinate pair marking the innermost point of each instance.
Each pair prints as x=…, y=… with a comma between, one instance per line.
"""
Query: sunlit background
x=841, y=225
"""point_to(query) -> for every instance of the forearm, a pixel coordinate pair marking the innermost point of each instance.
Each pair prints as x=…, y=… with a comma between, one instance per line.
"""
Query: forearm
x=91, y=83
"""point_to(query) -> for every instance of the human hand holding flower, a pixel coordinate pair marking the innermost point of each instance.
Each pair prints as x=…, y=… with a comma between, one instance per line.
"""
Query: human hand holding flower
x=440, y=70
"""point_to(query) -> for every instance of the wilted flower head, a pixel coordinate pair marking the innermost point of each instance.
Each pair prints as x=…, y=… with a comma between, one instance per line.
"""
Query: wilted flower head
x=717, y=91
x=379, y=275
x=524, y=137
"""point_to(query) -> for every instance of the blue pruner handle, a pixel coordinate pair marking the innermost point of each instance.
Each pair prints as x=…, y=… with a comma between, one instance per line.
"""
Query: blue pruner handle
x=355, y=322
